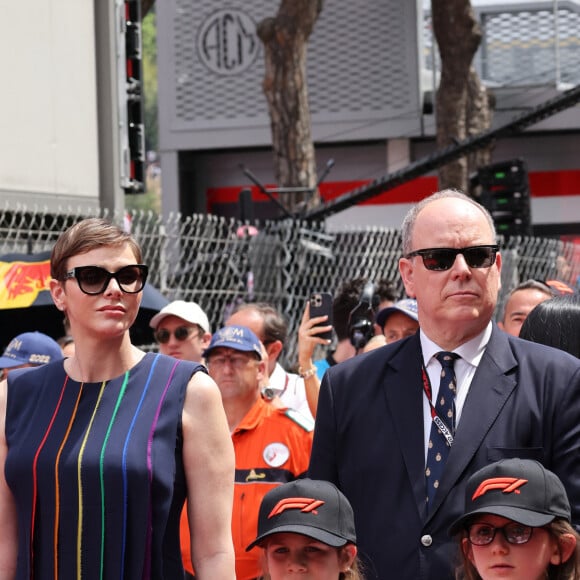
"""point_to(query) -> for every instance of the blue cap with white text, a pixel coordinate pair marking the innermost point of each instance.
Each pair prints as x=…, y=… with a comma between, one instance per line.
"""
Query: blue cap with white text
x=407, y=306
x=237, y=338
x=33, y=348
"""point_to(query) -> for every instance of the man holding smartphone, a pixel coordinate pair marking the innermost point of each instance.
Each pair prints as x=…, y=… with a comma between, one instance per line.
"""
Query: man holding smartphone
x=346, y=300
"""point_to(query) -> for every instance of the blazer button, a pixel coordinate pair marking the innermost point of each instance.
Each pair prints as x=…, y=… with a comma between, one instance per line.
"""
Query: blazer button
x=426, y=540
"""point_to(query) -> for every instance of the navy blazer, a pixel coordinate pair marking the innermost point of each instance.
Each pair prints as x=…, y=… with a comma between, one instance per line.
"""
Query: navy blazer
x=524, y=401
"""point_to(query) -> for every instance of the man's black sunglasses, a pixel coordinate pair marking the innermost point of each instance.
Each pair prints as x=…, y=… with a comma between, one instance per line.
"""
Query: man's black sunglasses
x=94, y=279
x=181, y=333
x=440, y=259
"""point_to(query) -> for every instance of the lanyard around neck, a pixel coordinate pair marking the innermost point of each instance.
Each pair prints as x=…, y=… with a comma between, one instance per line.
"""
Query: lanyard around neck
x=441, y=425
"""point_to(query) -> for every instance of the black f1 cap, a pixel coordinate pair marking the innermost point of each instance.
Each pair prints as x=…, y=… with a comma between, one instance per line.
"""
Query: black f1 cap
x=317, y=509
x=521, y=490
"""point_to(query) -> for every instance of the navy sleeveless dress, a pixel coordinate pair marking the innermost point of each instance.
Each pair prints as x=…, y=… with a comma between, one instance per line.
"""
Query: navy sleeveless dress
x=96, y=471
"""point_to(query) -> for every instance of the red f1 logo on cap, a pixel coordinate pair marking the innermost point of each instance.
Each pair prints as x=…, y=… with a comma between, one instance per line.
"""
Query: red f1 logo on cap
x=507, y=484
x=304, y=504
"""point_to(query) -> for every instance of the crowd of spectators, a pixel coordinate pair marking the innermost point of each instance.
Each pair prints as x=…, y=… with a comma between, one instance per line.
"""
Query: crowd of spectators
x=389, y=437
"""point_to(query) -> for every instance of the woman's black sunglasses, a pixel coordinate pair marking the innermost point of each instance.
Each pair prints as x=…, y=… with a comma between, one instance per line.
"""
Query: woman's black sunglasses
x=440, y=259
x=94, y=279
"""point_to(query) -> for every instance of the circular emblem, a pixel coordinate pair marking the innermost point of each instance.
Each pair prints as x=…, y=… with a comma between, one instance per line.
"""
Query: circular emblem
x=227, y=43
x=276, y=454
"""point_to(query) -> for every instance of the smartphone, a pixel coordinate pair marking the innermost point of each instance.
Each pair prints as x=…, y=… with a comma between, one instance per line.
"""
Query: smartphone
x=320, y=305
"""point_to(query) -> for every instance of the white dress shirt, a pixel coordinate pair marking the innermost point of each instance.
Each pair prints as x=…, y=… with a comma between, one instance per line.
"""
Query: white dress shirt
x=291, y=389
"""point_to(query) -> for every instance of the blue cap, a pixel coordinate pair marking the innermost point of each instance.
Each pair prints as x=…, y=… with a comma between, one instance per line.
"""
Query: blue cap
x=407, y=306
x=237, y=338
x=33, y=348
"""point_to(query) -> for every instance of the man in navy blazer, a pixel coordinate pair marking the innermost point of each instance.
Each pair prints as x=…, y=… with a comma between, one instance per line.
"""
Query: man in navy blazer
x=513, y=399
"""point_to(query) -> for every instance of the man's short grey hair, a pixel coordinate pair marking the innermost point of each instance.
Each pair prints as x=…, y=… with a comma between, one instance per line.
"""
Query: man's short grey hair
x=525, y=285
x=411, y=217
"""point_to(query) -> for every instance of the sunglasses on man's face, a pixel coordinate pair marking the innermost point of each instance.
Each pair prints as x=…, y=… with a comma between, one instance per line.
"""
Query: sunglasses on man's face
x=95, y=280
x=440, y=259
x=181, y=333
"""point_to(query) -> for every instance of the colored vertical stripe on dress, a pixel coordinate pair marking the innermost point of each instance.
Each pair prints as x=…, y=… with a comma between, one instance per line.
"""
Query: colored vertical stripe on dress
x=57, y=481
x=149, y=537
x=124, y=462
x=80, y=483
x=101, y=468
x=35, y=474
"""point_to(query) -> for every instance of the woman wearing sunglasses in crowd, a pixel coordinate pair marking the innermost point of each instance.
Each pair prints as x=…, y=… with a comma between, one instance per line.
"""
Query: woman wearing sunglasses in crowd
x=516, y=525
x=306, y=530
x=99, y=452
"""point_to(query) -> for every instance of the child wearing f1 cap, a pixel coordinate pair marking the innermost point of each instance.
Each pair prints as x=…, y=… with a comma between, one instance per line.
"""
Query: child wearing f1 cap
x=306, y=529
x=516, y=525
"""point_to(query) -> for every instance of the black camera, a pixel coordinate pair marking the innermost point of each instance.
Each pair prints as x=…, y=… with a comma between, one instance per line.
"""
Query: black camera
x=362, y=318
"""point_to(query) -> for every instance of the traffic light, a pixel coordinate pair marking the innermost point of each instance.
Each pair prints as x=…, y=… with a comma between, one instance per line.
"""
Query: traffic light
x=246, y=205
x=132, y=101
x=505, y=193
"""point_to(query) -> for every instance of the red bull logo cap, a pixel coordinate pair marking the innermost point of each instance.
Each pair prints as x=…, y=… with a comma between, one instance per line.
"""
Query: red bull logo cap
x=34, y=348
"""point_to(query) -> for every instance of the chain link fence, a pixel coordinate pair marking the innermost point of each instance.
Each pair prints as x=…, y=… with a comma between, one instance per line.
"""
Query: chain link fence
x=219, y=262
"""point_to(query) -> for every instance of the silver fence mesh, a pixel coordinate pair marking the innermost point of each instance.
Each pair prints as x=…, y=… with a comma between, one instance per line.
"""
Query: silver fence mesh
x=526, y=43
x=219, y=262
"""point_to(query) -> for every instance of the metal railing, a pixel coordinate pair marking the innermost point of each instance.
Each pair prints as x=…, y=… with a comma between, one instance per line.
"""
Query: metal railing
x=219, y=262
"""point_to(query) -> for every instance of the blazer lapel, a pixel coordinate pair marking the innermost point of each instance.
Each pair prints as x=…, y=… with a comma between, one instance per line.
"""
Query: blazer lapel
x=404, y=393
x=488, y=393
